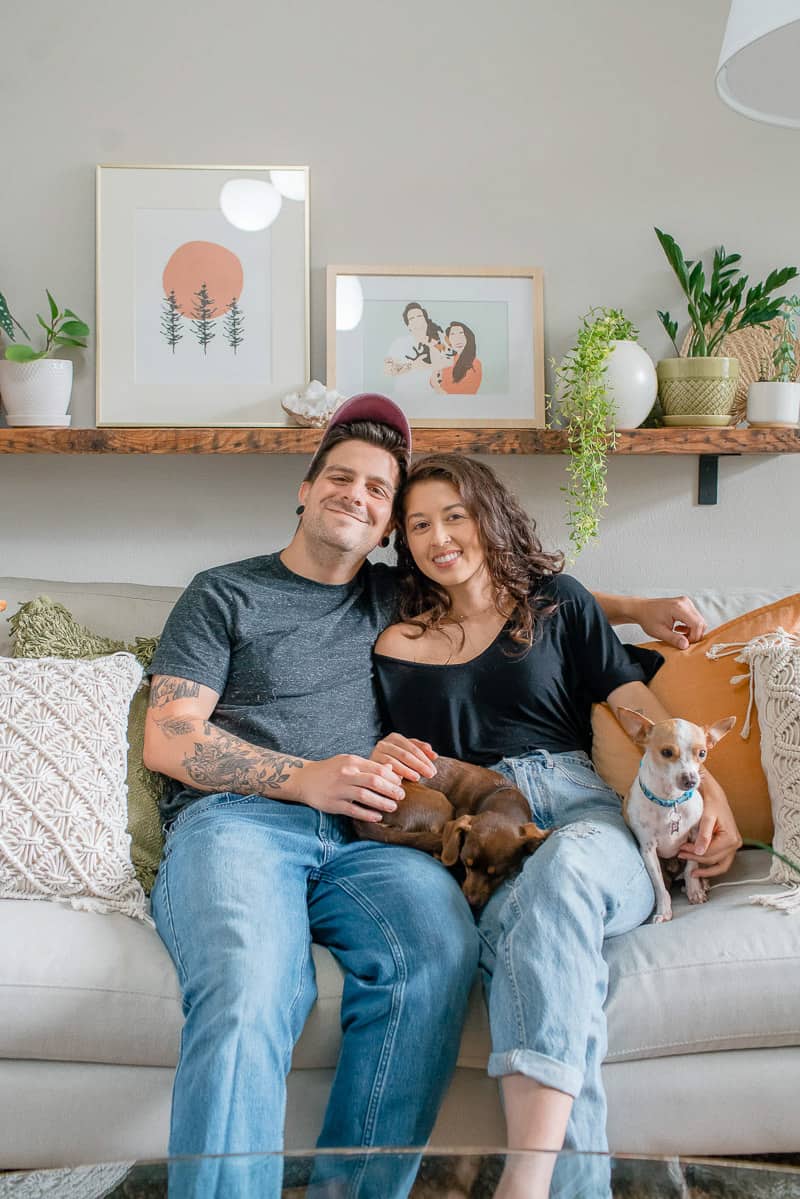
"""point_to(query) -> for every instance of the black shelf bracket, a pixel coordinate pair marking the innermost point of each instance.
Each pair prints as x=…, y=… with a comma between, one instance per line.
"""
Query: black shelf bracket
x=708, y=477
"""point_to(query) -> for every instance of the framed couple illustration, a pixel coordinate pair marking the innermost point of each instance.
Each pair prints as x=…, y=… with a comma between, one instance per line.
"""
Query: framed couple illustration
x=453, y=346
x=202, y=294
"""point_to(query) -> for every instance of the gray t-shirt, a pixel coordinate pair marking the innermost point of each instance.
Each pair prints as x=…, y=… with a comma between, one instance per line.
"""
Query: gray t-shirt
x=289, y=657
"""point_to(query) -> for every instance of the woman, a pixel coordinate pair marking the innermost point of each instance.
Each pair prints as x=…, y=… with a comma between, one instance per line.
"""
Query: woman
x=497, y=660
x=464, y=376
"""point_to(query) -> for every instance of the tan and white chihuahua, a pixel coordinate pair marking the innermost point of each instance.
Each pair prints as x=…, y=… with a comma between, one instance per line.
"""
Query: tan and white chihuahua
x=663, y=806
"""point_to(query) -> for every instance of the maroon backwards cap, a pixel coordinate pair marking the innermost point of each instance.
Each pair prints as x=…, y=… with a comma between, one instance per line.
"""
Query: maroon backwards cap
x=369, y=405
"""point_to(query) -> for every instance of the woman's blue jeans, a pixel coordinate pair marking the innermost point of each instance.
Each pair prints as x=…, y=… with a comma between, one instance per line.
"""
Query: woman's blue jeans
x=244, y=887
x=542, y=937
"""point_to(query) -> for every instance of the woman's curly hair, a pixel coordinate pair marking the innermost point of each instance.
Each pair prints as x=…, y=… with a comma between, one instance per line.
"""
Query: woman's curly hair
x=516, y=562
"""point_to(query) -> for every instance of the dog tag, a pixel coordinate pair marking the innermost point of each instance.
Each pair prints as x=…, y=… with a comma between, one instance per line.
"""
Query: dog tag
x=675, y=827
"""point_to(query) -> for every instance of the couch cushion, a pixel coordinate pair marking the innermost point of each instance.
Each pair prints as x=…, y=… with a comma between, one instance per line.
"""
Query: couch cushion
x=45, y=629
x=724, y=975
x=63, y=760
x=78, y=986
x=103, y=989
x=122, y=610
x=699, y=689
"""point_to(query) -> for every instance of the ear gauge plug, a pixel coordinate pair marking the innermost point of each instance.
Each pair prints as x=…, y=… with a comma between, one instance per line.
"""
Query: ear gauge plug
x=300, y=509
x=384, y=542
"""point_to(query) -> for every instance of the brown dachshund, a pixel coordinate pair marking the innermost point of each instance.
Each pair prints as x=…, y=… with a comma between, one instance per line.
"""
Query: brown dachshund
x=465, y=813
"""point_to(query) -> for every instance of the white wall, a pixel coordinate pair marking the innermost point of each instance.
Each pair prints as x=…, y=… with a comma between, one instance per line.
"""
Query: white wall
x=457, y=132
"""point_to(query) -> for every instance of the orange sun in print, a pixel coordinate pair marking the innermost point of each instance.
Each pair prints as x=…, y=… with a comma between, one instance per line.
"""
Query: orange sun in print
x=198, y=262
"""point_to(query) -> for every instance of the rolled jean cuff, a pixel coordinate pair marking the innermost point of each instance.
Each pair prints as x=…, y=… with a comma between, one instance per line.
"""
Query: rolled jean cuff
x=545, y=1070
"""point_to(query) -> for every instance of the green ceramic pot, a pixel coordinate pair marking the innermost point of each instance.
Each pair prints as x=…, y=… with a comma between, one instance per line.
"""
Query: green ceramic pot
x=698, y=391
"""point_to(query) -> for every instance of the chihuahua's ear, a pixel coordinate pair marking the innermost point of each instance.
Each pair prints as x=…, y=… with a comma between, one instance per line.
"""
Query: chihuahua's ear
x=717, y=731
x=533, y=836
x=452, y=839
x=635, y=724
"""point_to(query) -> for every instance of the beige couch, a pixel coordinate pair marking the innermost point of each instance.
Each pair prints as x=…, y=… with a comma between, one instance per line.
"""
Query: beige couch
x=704, y=1013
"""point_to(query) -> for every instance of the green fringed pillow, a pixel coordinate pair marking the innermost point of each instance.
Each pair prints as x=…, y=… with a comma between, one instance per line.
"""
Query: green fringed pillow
x=44, y=629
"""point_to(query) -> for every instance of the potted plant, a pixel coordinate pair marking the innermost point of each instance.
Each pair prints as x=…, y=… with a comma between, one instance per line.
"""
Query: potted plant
x=700, y=387
x=605, y=382
x=34, y=387
x=774, y=400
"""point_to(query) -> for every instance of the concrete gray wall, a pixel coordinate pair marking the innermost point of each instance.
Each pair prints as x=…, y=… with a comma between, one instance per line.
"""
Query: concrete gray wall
x=522, y=132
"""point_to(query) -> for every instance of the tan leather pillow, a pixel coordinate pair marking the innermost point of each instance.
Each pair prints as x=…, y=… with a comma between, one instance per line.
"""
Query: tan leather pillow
x=692, y=686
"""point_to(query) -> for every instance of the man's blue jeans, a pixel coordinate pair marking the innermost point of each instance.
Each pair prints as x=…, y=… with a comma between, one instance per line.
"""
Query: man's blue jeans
x=245, y=885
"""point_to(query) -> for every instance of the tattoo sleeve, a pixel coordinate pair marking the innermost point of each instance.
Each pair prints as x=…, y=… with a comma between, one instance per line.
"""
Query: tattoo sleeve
x=216, y=760
x=166, y=689
x=223, y=762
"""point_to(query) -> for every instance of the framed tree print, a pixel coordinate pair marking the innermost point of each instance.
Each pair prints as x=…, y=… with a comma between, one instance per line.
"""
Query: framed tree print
x=202, y=294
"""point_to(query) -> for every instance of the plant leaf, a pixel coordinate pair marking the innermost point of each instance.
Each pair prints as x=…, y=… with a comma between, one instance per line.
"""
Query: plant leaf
x=6, y=319
x=43, y=323
x=76, y=328
x=674, y=256
x=68, y=341
x=22, y=354
x=53, y=306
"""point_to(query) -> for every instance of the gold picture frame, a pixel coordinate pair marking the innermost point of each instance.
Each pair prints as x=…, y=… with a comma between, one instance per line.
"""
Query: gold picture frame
x=455, y=347
x=202, y=294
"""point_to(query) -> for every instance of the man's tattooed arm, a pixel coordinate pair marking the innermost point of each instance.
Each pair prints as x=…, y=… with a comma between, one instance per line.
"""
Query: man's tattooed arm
x=188, y=747
x=165, y=689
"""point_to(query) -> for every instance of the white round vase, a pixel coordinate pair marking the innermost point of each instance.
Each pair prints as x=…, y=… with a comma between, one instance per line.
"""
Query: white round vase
x=36, y=393
x=633, y=384
x=773, y=405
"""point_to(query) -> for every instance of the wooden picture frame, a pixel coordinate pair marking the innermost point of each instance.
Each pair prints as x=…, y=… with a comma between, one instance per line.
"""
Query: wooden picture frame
x=455, y=347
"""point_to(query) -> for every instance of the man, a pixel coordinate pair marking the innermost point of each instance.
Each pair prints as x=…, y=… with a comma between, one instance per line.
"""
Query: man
x=413, y=357
x=262, y=678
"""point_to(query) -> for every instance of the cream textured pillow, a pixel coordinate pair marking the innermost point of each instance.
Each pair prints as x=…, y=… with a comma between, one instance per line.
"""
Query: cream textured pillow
x=63, y=804
x=774, y=674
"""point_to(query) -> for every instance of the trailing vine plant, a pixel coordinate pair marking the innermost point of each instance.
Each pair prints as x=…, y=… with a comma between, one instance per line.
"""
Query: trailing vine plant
x=586, y=404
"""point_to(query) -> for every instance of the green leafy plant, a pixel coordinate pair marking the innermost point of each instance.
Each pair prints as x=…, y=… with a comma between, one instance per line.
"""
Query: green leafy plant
x=782, y=368
x=64, y=329
x=727, y=304
x=587, y=406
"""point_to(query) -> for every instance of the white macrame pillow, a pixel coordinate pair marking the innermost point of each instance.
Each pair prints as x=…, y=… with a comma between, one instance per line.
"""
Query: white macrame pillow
x=63, y=799
x=774, y=662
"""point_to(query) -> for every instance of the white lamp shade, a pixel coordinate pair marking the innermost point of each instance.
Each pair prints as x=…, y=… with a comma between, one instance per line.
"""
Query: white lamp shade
x=759, y=67
x=249, y=204
x=349, y=302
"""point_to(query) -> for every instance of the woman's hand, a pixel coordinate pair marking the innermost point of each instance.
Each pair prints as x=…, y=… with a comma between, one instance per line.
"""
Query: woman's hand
x=674, y=620
x=718, y=838
x=407, y=756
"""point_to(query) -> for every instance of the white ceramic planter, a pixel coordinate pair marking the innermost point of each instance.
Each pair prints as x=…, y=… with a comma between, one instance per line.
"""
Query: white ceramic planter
x=632, y=379
x=773, y=405
x=633, y=386
x=36, y=393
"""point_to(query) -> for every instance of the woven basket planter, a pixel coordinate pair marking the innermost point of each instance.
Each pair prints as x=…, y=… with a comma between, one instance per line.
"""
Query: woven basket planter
x=698, y=391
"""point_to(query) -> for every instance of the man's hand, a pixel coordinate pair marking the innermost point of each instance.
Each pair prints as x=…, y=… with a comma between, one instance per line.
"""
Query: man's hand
x=408, y=757
x=347, y=786
x=717, y=838
x=675, y=620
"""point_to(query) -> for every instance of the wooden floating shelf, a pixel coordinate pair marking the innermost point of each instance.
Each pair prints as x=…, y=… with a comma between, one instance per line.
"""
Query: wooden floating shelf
x=286, y=440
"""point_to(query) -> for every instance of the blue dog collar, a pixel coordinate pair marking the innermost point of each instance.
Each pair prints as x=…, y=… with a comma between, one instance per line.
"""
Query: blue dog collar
x=663, y=803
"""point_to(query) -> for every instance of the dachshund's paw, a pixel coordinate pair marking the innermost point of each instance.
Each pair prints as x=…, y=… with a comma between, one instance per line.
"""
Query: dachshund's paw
x=662, y=917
